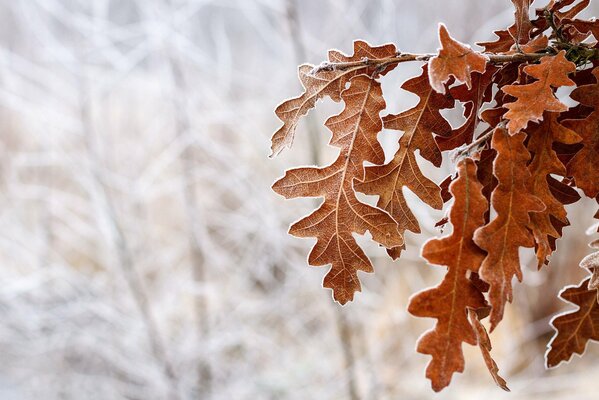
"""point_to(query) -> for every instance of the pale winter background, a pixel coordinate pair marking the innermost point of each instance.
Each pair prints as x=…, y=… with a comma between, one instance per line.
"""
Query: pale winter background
x=142, y=252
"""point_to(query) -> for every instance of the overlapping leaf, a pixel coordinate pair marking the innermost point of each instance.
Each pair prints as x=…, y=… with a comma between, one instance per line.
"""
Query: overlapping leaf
x=449, y=301
x=583, y=166
x=473, y=98
x=484, y=343
x=454, y=59
x=418, y=124
x=544, y=163
x=541, y=153
x=520, y=31
x=355, y=132
x=326, y=83
x=508, y=231
x=533, y=99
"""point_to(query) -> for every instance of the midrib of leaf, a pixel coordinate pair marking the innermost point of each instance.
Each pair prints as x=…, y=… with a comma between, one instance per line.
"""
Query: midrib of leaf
x=581, y=320
x=458, y=262
x=343, y=179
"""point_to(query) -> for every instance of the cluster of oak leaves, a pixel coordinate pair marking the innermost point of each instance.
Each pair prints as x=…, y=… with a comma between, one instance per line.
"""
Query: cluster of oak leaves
x=525, y=165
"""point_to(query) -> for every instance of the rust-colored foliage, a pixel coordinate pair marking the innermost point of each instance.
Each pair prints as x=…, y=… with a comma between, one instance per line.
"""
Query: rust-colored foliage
x=484, y=343
x=535, y=98
x=504, y=235
x=418, y=124
x=341, y=214
x=521, y=155
x=545, y=162
x=449, y=301
x=454, y=59
x=326, y=83
x=583, y=166
x=574, y=329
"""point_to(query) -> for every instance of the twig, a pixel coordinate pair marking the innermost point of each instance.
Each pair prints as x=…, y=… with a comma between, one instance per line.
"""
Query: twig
x=465, y=150
x=381, y=63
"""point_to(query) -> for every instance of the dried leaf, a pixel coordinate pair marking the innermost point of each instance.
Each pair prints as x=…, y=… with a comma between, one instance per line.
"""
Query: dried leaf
x=501, y=238
x=545, y=162
x=502, y=44
x=583, y=166
x=484, y=343
x=449, y=301
x=520, y=31
x=387, y=181
x=355, y=132
x=473, y=98
x=454, y=59
x=535, y=98
x=591, y=263
x=325, y=83
x=573, y=329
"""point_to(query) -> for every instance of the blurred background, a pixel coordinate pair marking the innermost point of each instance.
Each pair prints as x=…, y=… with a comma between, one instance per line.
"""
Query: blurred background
x=142, y=252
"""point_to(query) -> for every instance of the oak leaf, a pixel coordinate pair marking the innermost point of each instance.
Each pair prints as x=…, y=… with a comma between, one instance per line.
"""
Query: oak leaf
x=574, y=329
x=473, y=98
x=355, y=132
x=326, y=83
x=583, y=166
x=508, y=231
x=520, y=31
x=449, y=301
x=418, y=124
x=484, y=343
x=544, y=163
x=454, y=59
x=535, y=98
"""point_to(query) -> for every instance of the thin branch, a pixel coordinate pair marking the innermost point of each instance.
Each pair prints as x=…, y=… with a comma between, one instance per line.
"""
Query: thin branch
x=481, y=139
x=381, y=63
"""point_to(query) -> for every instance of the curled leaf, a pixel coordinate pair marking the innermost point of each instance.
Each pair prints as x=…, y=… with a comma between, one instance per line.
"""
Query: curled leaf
x=484, y=343
x=327, y=83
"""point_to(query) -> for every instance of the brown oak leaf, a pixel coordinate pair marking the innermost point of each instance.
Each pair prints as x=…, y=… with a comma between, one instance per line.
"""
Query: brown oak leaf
x=520, y=31
x=544, y=163
x=355, y=132
x=484, y=343
x=574, y=329
x=449, y=301
x=535, y=98
x=502, y=44
x=418, y=124
x=473, y=98
x=507, y=232
x=325, y=83
x=583, y=166
x=454, y=59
